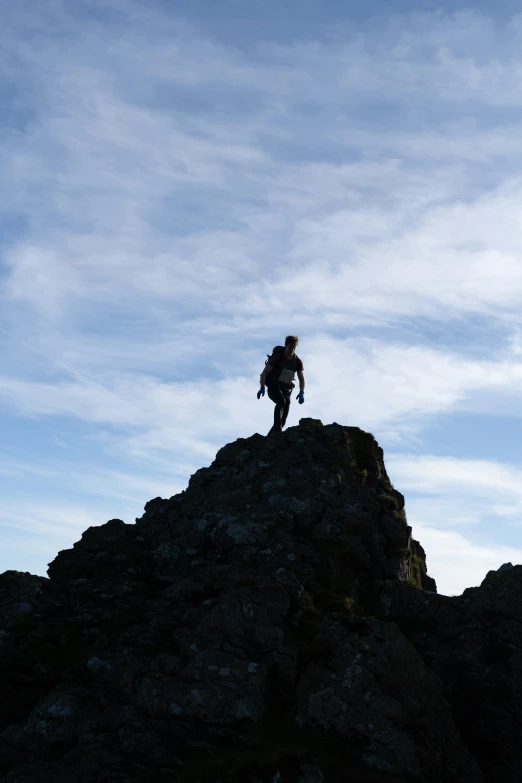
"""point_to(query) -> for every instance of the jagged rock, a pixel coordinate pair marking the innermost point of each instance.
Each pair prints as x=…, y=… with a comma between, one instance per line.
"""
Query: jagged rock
x=274, y=622
x=474, y=644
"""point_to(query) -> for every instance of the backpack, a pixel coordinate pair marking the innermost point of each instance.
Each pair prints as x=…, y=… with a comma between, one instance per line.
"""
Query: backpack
x=269, y=378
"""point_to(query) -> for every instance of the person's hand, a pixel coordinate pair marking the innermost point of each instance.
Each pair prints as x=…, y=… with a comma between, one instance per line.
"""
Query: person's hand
x=300, y=397
x=261, y=392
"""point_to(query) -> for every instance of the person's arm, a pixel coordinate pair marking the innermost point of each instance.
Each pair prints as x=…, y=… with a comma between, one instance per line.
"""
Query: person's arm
x=272, y=364
x=300, y=375
x=268, y=368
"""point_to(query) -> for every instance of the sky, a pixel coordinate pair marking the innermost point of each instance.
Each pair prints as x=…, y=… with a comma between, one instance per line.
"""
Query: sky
x=184, y=184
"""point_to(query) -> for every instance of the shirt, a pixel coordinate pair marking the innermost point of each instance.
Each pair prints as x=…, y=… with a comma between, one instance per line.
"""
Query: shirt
x=285, y=369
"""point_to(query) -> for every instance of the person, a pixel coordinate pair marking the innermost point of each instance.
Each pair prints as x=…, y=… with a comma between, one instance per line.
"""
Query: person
x=282, y=368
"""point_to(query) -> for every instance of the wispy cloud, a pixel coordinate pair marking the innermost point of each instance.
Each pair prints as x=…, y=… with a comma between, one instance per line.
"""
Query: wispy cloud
x=434, y=475
x=466, y=513
x=374, y=383
x=368, y=235
x=457, y=561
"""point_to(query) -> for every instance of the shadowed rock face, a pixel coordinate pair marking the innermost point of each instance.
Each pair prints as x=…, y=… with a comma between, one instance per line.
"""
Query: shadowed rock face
x=274, y=623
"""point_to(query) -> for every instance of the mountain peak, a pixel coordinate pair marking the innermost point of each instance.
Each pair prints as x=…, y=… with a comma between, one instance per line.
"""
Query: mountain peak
x=272, y=622
x=315, y=500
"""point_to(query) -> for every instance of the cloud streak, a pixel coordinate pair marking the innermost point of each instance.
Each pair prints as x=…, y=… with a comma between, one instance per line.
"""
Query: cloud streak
x=457, y=562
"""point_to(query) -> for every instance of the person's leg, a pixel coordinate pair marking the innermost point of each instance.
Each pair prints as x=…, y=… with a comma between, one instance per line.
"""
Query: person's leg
x=286, y=409
x=277, y=396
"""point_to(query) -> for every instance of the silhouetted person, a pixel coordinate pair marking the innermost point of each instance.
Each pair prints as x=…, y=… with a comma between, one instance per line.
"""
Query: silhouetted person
x=279, y=374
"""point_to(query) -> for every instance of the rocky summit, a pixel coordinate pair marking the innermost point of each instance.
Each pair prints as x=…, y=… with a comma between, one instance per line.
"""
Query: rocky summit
x=273, y=623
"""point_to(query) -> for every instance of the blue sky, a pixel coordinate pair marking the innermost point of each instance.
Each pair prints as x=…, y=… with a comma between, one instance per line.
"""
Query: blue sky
x=185, y=184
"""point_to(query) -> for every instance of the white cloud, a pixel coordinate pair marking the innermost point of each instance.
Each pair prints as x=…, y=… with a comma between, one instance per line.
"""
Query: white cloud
x=433, y=475
x=125, y=157
x=53, y=520
x=457, y=562
x=365, y=382
x=463, y=512
x=446, y=492
x=13, y=468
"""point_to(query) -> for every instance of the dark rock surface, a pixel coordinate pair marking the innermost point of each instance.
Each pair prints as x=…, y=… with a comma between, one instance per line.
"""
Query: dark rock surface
x=273, y=623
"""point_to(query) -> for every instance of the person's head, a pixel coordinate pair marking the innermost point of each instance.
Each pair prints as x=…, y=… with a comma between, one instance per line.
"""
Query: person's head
x=291, y=344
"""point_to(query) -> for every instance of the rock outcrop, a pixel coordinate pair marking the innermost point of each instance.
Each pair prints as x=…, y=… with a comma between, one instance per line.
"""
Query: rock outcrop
x=273, y=623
